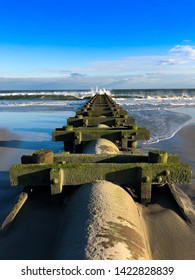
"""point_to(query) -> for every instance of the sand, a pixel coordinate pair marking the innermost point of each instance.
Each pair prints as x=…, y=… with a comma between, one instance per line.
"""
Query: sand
x=170, y=236
x=97, y=226
x=6, y=151
x=159, y=230
x=101, y=146
x=183, y=144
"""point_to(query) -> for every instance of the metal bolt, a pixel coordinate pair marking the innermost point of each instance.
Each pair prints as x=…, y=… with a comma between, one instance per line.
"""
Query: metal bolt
x=146, y=179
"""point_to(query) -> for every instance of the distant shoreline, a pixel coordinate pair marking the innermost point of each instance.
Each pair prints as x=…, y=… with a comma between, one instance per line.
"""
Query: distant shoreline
x=39, y=97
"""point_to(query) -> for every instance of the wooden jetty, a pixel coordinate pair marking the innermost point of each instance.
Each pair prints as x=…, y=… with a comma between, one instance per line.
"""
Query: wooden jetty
x=140, y=173
x=100, y=117
x=85, y=126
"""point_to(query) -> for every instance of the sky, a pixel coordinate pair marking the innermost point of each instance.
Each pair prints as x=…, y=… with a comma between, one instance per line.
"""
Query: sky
x=81, y=44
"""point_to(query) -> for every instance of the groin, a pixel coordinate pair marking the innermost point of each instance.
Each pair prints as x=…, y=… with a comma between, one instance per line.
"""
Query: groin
x=102, y=180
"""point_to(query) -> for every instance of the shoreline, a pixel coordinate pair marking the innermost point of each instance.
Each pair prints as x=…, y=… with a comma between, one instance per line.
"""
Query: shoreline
x=157, y=217
x=181, y=143
x=7, y=152
x=161, y=215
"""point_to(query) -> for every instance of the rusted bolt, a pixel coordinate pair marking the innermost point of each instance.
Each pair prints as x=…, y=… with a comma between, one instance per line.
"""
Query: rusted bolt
x=79, y=116
x=146, y=179
x=167, y=172
x=54, y=181
x=159, y=179
x=68, y=128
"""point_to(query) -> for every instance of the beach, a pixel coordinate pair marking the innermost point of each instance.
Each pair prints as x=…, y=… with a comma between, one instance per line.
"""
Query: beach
x=183, y=145
x=43, y=231
x=97, y=133
x=168, y=234
x=171, y=237
x=30, y=234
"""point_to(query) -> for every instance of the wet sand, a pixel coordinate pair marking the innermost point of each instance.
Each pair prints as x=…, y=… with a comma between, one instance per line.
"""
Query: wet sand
x=6, y=153
x=170, y=236
x=183, y=144
x=37, y=226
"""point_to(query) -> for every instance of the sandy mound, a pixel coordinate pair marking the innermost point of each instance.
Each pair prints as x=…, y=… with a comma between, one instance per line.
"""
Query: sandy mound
x=170, y=236
x=101, y=125
x=101, y=146
x=101, y=221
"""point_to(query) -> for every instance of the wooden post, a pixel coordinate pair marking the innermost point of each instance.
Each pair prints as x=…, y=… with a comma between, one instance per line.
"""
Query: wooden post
x=43, y=156
x=157, y=156
x=123, y=141
x=146, y=186
x=20, y=202
x=56, y=183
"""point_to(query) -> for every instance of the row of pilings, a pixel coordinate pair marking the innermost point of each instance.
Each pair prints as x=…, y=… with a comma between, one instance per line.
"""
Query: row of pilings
x=100, y=173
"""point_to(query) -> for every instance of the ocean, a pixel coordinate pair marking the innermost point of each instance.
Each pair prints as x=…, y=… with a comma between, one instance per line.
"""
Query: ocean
x=34, y=114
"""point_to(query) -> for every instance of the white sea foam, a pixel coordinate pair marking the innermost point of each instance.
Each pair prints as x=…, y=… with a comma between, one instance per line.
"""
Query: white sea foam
x=153, y=140
x=23, y=104
x=79, y=93
x=156, y=103
x=151, y=109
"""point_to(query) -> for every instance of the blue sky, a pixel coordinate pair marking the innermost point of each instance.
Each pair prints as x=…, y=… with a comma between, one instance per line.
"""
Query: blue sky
x=78, y=44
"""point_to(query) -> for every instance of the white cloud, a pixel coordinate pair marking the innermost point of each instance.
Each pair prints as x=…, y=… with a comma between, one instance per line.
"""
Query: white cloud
x=172, y=60
x=180, y=54
x=176, y=69
x=185, y=51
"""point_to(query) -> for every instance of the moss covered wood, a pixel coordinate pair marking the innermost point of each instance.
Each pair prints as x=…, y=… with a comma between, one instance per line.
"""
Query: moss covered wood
x=129, y=174
x=157, y=156
x=127, y=137
x=102, y=105
x=100, y=109
x=66, y=157
x=79, y=121
x=43, y=156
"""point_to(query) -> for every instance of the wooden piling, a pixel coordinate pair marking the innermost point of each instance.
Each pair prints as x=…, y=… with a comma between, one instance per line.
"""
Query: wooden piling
x=20, y=202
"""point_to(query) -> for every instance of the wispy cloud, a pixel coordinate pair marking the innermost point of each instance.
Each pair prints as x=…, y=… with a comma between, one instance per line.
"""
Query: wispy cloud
x=180, y=54
x=186, y=51
x=77, y=75
x=174, y=69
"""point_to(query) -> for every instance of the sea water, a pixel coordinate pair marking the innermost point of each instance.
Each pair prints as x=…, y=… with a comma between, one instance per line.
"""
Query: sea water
x=33, y=115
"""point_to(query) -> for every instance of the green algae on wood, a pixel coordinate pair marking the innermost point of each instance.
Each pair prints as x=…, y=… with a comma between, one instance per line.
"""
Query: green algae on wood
x=157, y=156
x=43, y=156
x=140, y=176
x=126, y=137
x=66, y=157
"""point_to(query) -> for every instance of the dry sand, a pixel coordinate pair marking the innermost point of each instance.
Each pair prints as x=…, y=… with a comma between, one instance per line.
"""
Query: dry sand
x=170, y=236
x=40, y=228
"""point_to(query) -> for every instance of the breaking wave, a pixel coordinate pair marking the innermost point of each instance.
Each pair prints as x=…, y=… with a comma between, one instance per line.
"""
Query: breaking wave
x=153, y=109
